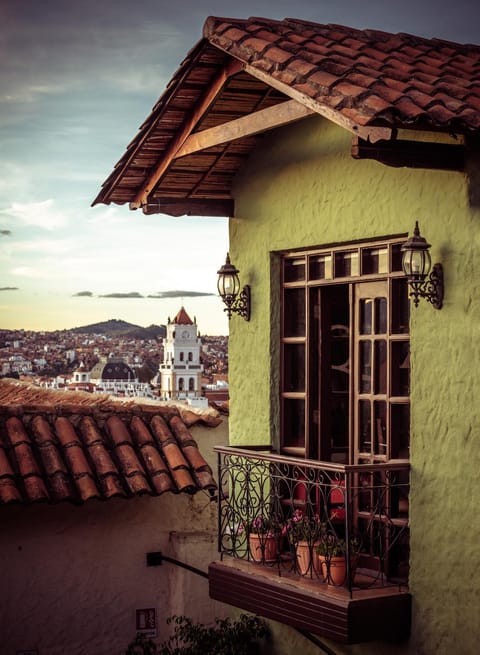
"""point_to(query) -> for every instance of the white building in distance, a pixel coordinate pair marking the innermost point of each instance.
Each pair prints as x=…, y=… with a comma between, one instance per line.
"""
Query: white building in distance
x=180, y=375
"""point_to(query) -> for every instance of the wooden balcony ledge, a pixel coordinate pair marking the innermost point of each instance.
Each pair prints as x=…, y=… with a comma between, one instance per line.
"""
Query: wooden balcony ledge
x=366, y=614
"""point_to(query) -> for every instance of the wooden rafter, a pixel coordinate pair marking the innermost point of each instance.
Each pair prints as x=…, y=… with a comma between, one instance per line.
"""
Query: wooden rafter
x=141, y=196
x=371, y=133
x=260, y=121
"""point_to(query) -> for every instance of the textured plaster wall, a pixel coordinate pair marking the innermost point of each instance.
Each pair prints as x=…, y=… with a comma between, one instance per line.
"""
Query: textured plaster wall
x=302, y=188
x=72, y=577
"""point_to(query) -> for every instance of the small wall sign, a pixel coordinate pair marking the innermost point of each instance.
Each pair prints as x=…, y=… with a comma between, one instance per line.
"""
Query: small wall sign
x=147, y=622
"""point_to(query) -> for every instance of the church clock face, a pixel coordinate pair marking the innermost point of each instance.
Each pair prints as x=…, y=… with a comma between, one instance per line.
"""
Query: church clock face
x=185, y=334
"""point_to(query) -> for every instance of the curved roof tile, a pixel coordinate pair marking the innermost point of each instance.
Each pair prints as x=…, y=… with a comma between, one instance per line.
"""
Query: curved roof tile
x=57, y=446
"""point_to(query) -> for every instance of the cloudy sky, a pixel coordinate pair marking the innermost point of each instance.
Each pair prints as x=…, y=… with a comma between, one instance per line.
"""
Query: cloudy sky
x=77, y=78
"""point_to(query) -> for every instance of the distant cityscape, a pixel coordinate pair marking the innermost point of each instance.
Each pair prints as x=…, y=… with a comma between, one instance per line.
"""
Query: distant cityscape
x=50, y=359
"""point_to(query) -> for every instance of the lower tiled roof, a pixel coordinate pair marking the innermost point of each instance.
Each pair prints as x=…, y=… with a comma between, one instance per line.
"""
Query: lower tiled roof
x=57, y=446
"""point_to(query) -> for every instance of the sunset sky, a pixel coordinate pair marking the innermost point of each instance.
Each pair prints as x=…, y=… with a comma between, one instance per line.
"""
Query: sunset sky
x=77, y=78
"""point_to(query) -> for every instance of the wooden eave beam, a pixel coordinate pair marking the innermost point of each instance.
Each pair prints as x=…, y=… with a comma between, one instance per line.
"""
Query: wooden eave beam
x=232, y=68
x=373, y=134
x=412, y=154
x=223, y=207
x=259, y=121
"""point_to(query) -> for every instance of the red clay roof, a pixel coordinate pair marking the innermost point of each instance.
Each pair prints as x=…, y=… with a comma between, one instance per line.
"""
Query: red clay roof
x=182, y=318
x=368, y=81
x=371, y=77
x=57, y=446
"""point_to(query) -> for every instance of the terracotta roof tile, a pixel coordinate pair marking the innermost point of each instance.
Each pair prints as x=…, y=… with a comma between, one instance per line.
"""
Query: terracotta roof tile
x=323, y=79
x=377, y=104
x=475, y=102
x=369, y=66
x=182, y=318
x=375, y=54
x=442, y=113
x=57, y=446
x=278, y=55
x=349, y=91
x=343, y=49
x=287, y=77
x=387, y=92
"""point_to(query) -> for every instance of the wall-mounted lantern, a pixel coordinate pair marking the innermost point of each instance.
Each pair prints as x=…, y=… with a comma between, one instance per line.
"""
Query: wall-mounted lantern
x=416, y=263
x=237, y=301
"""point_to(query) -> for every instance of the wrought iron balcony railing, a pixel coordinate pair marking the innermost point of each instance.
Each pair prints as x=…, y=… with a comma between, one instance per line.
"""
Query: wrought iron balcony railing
x=341, y=525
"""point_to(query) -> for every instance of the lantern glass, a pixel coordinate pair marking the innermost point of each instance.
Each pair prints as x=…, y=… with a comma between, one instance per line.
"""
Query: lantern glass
x=416, y=263
x=228, y=284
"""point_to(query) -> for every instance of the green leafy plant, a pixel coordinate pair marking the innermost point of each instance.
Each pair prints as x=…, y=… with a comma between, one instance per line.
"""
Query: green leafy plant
x=332, y=546
x=141, y=645
x=226, y=637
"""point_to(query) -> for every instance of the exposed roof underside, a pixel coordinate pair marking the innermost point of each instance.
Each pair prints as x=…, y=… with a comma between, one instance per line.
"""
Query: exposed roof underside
x=248, y=76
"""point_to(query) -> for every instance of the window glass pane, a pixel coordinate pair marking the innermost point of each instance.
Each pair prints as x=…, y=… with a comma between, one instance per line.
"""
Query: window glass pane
x=366, y=316
x=364, y=429
x=380, y=316
x=338, y=426
x=400, y=307
x=294, y=269
x=365, y=378
x=321, y=267
x=294, y=367
x=380, y=371
x=374, y=260
x=400, y=432
x=346, y=264
x=400, y=368
x=294, y=422
x=380, y=428
x=340, y=347
x=294, y=313
x=397, y=256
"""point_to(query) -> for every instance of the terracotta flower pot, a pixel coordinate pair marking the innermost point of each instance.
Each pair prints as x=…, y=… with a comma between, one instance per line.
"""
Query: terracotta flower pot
x=334, y=569
x=307, y=560
x=263, y=547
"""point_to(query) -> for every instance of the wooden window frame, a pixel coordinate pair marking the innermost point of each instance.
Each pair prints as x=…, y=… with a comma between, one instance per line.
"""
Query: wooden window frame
x=309, y=270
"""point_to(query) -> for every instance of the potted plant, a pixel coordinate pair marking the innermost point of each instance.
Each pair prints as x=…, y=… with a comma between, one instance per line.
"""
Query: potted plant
x=304, y=533
x=262, y=539
x=332, y=555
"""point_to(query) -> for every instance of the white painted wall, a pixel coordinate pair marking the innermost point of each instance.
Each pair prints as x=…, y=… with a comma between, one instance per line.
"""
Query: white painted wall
x=73, y=576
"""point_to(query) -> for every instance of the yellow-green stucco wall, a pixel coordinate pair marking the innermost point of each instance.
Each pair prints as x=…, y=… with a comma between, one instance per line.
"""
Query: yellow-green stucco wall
x=302, y=188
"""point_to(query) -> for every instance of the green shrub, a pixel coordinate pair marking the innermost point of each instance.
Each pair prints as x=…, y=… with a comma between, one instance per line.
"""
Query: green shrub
x=141, y=645
x=226, y=637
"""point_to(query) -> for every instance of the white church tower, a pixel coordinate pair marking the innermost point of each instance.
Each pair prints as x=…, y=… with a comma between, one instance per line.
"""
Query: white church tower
x=181, y=370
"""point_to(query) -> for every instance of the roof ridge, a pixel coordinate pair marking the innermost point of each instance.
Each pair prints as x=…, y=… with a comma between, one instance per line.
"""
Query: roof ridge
x=18, y=397
x=378, y=34
x=212, y=21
